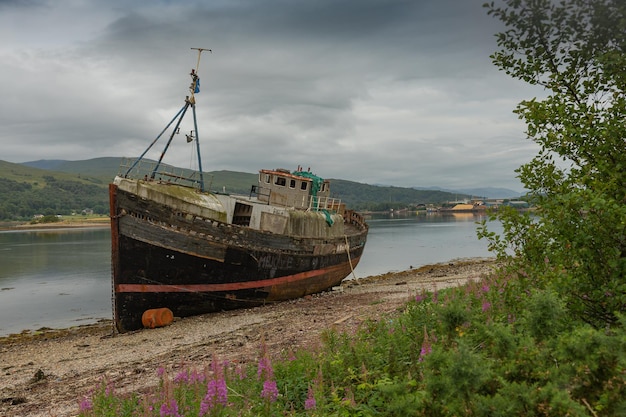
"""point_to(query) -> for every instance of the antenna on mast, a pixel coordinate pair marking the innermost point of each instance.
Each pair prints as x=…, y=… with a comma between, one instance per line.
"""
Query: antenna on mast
x=199, y=53
x=195, y=84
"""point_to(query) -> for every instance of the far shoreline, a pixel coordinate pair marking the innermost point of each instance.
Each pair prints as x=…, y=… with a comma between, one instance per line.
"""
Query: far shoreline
x=99, y=222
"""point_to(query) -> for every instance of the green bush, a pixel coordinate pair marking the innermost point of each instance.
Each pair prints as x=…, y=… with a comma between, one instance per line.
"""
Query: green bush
x=576, y=240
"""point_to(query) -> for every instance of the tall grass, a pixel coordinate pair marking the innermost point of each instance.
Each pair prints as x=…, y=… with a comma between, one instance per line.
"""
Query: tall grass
x=489, y=348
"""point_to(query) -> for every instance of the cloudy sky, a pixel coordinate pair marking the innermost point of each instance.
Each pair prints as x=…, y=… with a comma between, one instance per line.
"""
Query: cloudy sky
x=394, y=92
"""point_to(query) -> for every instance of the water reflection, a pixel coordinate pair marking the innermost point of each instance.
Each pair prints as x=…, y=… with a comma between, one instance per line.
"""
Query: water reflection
x=54, y=278
x=400, y=241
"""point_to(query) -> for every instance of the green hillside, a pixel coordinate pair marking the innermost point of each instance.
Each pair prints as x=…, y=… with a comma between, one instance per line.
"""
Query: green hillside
x=232, y=181
x=27, y=191
x=74, y=186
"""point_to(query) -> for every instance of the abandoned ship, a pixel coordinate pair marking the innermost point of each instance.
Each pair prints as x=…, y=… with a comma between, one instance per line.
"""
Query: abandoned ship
x=179, y=247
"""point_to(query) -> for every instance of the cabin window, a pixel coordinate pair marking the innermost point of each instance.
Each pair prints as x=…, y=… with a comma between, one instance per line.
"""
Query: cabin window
x=292, y=184
x=303, y=185
x=281, y=181
x=267, y=178
x=323, y=186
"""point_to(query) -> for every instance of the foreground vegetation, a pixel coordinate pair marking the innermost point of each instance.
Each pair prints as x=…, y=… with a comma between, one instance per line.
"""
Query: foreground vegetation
x=496, y=347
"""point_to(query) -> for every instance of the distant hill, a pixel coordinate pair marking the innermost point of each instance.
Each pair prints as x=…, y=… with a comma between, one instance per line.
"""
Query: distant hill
x=484, y=192
x=38, y=176
x=101, y=170
x=96, y=167
x=64, y=187
x=492, y=192
x=50, y=164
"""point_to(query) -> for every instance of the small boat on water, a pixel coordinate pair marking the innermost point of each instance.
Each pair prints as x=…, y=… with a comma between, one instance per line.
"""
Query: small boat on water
x=179, y=247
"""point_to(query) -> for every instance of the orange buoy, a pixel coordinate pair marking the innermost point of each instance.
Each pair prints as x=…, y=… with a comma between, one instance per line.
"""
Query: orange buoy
x=157, y=317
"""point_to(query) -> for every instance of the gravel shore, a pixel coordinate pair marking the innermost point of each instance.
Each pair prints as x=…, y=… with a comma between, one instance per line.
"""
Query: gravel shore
x=47, y=373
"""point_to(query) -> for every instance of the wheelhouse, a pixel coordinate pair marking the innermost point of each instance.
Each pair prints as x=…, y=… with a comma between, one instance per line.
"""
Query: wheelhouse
x=299, y=189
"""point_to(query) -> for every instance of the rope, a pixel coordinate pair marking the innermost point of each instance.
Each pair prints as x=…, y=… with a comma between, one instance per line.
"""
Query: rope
x=349, y=259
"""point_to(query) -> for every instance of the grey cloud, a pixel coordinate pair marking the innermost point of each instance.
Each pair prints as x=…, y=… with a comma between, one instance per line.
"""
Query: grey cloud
x=396, y=92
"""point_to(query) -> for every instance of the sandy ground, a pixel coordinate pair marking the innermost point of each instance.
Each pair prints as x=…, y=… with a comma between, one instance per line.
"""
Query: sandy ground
x=46, y=374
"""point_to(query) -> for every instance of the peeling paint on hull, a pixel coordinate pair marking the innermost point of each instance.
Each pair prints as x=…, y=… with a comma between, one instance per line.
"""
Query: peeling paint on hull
x=194, y=265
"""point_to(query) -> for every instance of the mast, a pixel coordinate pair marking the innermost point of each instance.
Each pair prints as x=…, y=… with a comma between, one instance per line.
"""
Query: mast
x=195, y=87
x=190, y=101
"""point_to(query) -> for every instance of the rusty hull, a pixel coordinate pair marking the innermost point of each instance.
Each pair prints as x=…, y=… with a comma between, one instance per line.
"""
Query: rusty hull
x=194, y=265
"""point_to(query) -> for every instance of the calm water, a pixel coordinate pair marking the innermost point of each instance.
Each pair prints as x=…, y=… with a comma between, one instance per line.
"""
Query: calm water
x=61, y=278
x=396, y=243
x=54, y=278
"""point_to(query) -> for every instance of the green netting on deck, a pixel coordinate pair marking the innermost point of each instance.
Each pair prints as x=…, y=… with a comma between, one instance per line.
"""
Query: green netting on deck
x=315, y=187
x=317, y=181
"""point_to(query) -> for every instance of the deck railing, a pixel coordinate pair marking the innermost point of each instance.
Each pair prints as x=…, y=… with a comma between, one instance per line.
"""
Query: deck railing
x=355, y=219
x=302, y=201
x=317, y=203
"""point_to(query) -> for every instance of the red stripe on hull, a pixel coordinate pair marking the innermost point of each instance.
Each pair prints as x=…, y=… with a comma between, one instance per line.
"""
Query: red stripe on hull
x=156, y=288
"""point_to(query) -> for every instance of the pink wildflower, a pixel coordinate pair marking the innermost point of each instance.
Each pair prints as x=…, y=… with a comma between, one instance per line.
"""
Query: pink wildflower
x=265, y=368
x=217, y=391
x=222, y=392
x=486, y=306
x=182, y=377
x=110, y=389
x=270, y=390
x=195, y=377
x=310, y=403
x=266, y=372
x=170, y=410
x=85, y=404
x=426, y=347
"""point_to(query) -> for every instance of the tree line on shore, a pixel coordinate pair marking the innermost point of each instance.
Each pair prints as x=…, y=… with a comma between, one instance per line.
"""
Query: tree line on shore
x=23, y=201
